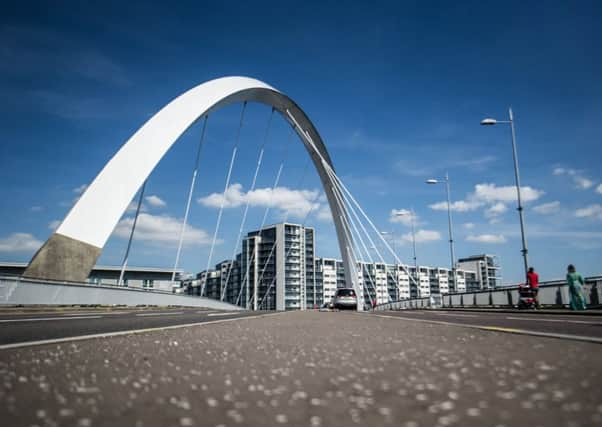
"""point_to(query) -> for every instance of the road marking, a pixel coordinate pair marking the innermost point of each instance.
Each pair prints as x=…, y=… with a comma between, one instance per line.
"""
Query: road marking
x=39, y=319
x=499, y=329
x=221, y=314
x=534, y=319
x=454, y=314
x=129, y=332
x=159, y=314
x=206, y=312
x=103, y=312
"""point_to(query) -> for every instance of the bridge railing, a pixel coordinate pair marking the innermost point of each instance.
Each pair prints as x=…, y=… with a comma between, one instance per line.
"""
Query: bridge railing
x=551, y=294
x=20, y=291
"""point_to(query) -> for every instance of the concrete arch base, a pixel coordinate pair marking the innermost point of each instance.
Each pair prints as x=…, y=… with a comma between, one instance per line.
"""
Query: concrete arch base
x=63, y=258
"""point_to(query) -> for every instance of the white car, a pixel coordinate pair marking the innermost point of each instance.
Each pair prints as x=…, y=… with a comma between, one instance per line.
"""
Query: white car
x=345, y=298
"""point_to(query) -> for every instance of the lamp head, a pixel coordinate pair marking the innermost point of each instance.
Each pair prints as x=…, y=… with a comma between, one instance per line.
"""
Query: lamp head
x=488, y=122
x=432, y=181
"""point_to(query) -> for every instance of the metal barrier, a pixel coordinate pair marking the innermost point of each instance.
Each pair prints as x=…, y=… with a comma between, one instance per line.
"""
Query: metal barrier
x=551, y=294
x=19, y=291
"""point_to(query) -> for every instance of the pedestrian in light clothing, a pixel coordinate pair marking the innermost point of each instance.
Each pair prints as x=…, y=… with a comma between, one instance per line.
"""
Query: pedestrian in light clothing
x=533, y=283
x=575, y=282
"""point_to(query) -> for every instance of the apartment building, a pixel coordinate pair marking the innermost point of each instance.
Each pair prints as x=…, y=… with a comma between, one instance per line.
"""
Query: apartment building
x=326, y=279
x=385, y=282
x=277, y=269
x=487, y=269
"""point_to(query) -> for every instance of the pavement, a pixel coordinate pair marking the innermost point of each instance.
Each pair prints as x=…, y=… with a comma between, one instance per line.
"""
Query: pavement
x=567, y=326
x=306, y=369
x=591, y=311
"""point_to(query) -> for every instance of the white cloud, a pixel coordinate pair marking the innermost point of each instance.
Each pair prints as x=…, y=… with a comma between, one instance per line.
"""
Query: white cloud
x=134, y=205
x=294, y=203
x=495, y=210
x=583, y=183
x=155, y=201
x=486, y=238
x=490, y=193
x=547, y=208
x=422, y=236
x=592, y=211
x=469, y=225
x=324, y=214
x=54, y=224
x=36, y=208
x=580, y=181
x=599, y=189
x=403, y=216
x=493, y=198
x=80, y=189
x=457, y=206
x=161, y=230
x=19, y=242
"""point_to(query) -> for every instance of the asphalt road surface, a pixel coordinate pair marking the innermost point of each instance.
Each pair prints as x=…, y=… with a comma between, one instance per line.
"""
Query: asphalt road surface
x=49, y=325
x=306, y=369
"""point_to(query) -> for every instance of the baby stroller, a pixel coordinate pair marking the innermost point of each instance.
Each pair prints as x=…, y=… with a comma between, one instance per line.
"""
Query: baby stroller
x=526, y=297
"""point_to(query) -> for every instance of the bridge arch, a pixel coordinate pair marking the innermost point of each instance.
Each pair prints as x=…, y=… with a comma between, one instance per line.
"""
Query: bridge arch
x=72, y=250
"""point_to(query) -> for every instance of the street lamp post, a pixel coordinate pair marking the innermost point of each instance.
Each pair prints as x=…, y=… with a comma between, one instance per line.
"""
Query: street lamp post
x=490, y=122
x=412, y=217
x=449, y=221
x=392, y=234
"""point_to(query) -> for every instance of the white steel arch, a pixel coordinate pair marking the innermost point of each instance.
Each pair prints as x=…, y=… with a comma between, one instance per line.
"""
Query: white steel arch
x=71, y=252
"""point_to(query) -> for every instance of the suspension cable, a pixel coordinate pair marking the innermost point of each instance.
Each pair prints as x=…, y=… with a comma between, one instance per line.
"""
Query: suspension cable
x=372, y=225
x=192, y=182
x=333, y=174
x=354, y=214
x=337, y=194
x=351, y=249
x=244, y=216
x=127, y=250
x=331, y=171
x=221, y=208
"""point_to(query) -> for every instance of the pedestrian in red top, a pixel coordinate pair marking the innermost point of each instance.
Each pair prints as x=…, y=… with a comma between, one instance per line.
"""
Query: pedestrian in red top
x=533, y=283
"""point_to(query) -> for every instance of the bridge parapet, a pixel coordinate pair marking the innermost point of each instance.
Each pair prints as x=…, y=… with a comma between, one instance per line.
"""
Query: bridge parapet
x=551, y=294
x=22, y=291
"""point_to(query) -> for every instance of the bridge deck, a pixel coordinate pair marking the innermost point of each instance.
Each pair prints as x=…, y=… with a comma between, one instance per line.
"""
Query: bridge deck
x=305, y=368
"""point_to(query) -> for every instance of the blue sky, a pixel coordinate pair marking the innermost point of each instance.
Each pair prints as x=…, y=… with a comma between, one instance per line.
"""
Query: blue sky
x=396, y=89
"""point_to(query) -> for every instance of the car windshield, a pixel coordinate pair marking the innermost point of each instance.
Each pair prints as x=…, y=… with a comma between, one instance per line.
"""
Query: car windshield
x=346, y=293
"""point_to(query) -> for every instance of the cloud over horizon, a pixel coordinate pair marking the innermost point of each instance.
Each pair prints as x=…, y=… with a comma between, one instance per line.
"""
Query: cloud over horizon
x=161, y=229
x=293, y=203
x=19, y=242
x=486, y=238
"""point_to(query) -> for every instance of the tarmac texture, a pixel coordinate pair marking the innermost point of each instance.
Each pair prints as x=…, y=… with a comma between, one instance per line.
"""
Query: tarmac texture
x=305, y=369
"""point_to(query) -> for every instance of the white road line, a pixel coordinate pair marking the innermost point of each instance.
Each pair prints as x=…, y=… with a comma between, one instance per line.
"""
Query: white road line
x=104, y=313
x=159, y=314
x=221, y=314
x=39, y=319
x=206, y=312
x=454, y=314
x=534, y=319
x=129, y=332
x=498, y=329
